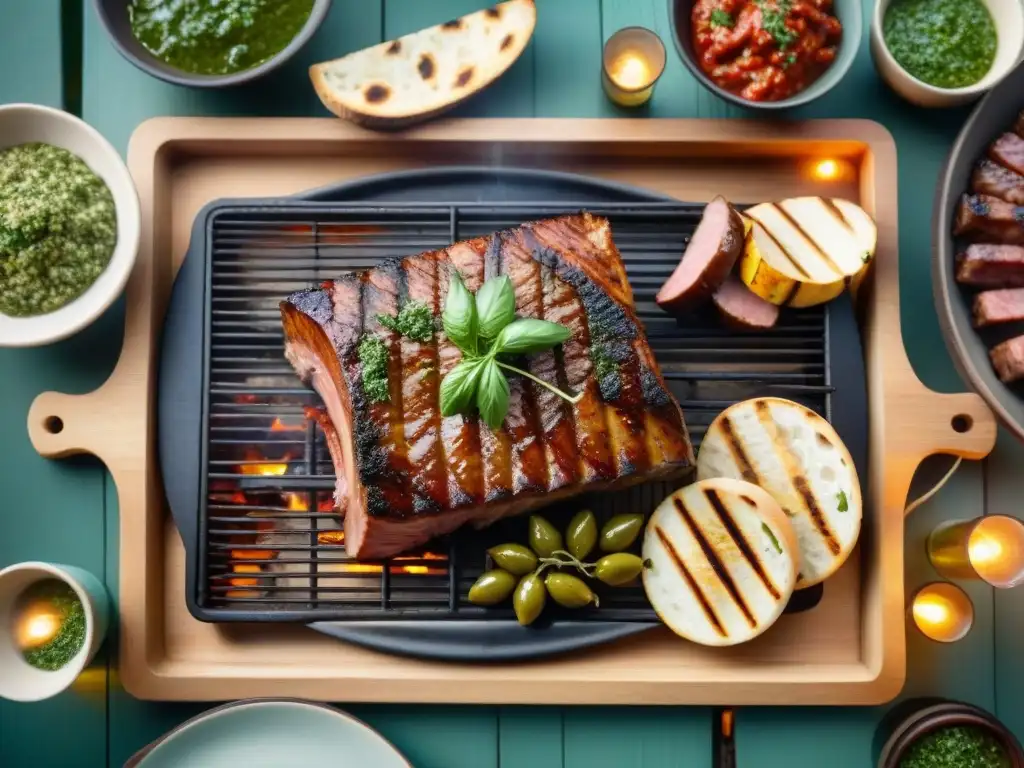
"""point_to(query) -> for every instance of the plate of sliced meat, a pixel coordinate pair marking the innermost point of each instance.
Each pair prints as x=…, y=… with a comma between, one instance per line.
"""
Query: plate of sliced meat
x=978, y=264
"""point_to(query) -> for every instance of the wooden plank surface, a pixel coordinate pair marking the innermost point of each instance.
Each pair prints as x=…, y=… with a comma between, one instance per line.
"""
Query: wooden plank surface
x=558, y=76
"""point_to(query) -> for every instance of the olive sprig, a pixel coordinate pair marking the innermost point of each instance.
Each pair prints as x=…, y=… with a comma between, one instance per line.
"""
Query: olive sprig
x=548, y=549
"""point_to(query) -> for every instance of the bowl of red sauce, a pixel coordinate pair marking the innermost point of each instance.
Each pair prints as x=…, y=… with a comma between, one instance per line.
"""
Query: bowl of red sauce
x=767, y=54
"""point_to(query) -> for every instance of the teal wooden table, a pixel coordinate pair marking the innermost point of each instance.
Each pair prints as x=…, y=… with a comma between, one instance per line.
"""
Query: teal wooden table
x=56, y=53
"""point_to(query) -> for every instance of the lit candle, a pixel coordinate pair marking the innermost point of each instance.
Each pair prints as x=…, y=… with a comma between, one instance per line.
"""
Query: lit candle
x=943, y=612
x=633, y=60
x=989, y=548
x=36, y=625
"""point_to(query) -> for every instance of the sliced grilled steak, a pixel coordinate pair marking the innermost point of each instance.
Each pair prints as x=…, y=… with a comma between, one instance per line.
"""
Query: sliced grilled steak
x=993, y=179
x=708, y=259
x=991, y=266
x=1008, y=359
x=743, y=309
x=1002, y=306
x=1008, y=151
x=983, y=217
x=407, y=474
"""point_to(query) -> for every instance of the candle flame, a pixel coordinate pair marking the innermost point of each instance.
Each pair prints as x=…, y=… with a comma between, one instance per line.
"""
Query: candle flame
x=826, y=170
x=37, y=628
x=630, y=71
x=984, y=550
x=931, y=610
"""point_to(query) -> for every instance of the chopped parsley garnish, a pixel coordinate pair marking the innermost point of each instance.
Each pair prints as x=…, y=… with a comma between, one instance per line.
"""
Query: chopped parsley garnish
x=770, y=535
x=773, y=20
x=956, y=747
x=720, y=18
x=866, y=257
x=844, y=505
x=415, y=321
x=373, y=356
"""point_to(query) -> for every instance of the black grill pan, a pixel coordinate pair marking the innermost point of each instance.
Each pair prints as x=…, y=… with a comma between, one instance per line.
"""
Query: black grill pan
x=223, y=382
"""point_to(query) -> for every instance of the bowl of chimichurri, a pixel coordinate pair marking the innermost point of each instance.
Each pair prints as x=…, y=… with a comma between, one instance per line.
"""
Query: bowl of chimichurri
x=210, y=43
x=941, y=53
x=69, y=225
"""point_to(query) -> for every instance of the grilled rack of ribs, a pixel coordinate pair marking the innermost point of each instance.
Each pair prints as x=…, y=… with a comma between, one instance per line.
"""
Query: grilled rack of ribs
x=405, y=474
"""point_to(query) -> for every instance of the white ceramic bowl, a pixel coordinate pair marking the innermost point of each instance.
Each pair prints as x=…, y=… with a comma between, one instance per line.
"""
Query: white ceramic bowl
x=20, y=681
x=21, y=123
x=1009, y=20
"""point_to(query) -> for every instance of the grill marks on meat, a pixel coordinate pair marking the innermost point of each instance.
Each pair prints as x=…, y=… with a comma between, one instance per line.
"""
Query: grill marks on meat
x=412, y=475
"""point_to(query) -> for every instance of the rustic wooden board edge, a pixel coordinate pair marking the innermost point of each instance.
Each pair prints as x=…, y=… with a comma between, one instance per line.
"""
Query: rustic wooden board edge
x=907, y=423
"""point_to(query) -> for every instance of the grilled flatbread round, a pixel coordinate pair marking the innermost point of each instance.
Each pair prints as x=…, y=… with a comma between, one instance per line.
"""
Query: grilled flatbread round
x=403, y=81
x=796, y=456
x=723, y=561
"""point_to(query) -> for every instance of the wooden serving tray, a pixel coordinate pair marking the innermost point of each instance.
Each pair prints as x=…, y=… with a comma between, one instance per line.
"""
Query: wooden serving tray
x=848, y=650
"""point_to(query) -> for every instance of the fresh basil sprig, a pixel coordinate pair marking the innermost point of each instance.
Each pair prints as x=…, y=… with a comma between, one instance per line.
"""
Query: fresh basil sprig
x=484, y=328
x=495, y=306
x=459, y=317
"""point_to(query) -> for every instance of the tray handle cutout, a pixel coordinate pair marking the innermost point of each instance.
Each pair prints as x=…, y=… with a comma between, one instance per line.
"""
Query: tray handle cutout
x=61, y=425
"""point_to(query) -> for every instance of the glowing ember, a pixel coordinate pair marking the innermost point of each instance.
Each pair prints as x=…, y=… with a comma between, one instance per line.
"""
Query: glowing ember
x=279, y=426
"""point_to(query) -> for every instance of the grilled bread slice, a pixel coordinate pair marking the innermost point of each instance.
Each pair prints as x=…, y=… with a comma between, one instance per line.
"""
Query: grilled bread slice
x=723, y=561
x=805, y=250
x=797, y=457
x=422, y=74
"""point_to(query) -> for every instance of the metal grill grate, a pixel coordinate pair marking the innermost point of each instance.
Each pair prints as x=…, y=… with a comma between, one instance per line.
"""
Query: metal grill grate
x=268, y=539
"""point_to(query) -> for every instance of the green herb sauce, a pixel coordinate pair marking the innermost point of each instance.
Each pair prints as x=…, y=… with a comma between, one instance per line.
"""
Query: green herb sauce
x=944, y=43
x=58, y=228
x=217, y=37
x=956, y=747
x=373, y=356
x=415, y=321
x=62, y=600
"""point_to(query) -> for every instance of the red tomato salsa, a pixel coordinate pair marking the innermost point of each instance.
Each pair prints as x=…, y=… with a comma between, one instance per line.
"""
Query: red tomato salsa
x=765, y=50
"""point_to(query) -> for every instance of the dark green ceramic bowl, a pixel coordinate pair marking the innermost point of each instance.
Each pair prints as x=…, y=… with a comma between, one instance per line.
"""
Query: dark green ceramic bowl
x=850, y=15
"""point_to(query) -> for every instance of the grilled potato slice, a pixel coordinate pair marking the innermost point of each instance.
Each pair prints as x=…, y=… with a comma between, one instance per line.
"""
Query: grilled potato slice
x=723, y=561
x=797, y=457
x=805, y=250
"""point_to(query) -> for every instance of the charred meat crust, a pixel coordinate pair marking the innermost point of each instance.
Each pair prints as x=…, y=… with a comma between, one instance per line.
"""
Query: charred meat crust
x=417, y=468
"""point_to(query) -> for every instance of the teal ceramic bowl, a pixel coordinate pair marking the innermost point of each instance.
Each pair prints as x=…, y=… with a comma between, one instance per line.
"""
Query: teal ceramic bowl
x=850, y=15
x=271, y=733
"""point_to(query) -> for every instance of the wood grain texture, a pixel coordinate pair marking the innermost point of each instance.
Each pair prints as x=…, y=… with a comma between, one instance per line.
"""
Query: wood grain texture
x=837, y=653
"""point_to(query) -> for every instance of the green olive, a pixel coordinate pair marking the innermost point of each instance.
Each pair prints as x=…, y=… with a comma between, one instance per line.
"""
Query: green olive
x=581, y=535
x=618, y=569
x=569, y=591
x=529, y=598
x=492, y=587
x=621, y=531
x=544, y=537
x=514, y=558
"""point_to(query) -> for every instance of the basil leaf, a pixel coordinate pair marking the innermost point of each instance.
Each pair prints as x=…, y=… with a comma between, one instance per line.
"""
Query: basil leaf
x=527, y=335
x=492, y=394
x=459, y=386
x=459, y=318
x=495, y=306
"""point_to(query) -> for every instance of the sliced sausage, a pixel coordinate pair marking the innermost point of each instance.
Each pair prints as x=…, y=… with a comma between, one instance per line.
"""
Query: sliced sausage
x=708, y=260
x=743, y=309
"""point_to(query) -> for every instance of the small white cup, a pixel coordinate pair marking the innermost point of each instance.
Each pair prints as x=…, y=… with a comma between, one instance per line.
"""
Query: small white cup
x=1008, y=16
x=19, y=680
